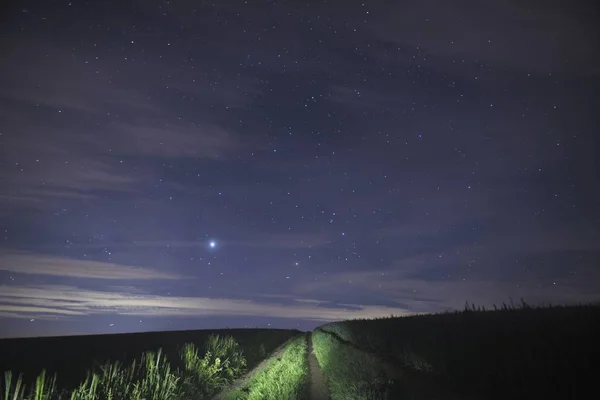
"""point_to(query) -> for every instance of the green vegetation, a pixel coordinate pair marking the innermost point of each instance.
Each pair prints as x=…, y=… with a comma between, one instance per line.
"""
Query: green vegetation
x=71, y=356
x=259, y=343
x=524, y=352
x=150, y=378
x=283, y=378
x=510, y=352
x=43, y=388
x=350, y=373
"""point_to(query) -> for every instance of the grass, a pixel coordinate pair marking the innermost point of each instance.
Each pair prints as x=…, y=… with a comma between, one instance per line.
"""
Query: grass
x=151, y=377
x=71, y=356
x=223, y=362
x=43, y=389
x=258, y=343
x=283, y=378
x=509, y=352
x=352, y=374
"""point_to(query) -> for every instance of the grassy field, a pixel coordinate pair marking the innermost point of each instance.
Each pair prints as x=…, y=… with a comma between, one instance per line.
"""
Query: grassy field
x=190, y=372
x=284, y=378
x=71, y=356
x=352, y=374
x=512, y=352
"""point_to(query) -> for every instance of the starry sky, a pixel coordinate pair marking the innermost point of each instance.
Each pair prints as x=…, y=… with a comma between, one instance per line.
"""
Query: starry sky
x=194, y=164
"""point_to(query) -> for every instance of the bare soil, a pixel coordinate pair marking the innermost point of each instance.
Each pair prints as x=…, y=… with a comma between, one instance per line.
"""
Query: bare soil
x=318, y=388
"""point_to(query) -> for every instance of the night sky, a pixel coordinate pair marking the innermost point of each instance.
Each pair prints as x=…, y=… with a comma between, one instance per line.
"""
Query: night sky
x=194, y=165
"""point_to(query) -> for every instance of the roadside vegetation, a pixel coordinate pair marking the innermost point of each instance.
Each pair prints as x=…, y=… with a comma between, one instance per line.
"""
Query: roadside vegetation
x=517, y=352
x=284, y=377
x=508, y=352
x=199, y=375
x=350, y=373
x=71, y=356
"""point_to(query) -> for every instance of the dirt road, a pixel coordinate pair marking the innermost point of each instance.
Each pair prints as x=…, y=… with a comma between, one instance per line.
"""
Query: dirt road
x=318, y=388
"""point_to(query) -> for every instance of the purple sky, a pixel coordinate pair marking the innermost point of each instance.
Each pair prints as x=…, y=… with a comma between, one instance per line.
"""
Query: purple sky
x=347, y=159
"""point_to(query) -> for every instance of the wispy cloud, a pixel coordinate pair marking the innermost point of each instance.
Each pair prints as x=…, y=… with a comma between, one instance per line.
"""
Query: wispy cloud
x=59, y=301
x=156, y=137
x=65, y=131
x=64, y=267
x=63, y=81
x=449, y=292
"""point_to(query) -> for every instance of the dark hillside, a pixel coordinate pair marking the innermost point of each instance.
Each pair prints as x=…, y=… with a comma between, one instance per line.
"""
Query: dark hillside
x=512, y=352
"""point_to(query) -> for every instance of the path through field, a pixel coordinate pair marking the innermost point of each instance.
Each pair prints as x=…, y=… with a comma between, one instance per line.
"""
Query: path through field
x=243, y=380
x=318, y=388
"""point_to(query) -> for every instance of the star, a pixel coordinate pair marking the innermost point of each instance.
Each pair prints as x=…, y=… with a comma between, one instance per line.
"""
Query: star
x=303, y=155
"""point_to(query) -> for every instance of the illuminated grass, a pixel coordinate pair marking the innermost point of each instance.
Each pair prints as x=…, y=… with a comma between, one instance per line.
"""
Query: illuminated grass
x=351, y=374
x=284, y=377
x=43, y=389
x=150, y=378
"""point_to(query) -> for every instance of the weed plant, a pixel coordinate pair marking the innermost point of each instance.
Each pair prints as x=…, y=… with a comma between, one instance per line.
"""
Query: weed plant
x=149, y=378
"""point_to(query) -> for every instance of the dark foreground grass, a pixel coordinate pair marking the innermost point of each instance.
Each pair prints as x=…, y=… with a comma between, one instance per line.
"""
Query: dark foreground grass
x=284, y=377
x=512, y=352
x=352, y=374
x=71, y=356
x=151, y=377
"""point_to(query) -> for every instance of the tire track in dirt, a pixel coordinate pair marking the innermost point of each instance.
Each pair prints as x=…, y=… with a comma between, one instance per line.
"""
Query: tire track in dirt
x=318, y=388
x=243, y=380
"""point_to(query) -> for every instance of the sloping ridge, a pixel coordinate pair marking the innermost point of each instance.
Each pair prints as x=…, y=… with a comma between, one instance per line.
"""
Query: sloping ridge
x=421, y=386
